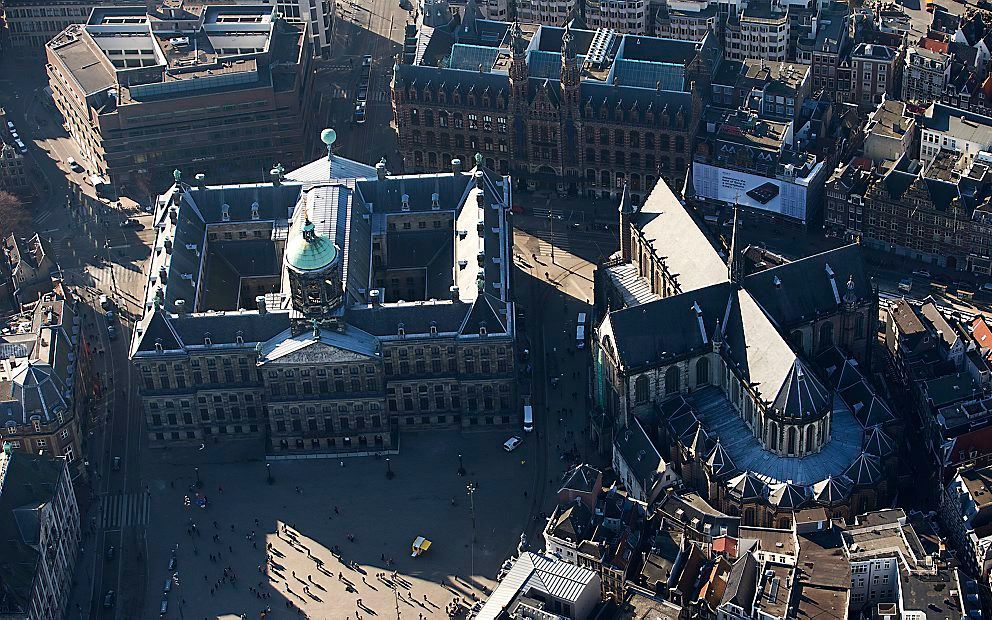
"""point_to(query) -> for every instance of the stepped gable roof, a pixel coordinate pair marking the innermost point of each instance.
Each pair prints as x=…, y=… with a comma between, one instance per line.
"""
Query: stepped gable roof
x=879, y=443
x=795, y=292
x=832, y=490
x=802, y=396
x=686, y=330
x=719, y=461
x=865, y=470
x=748, y=486
x=789, y=496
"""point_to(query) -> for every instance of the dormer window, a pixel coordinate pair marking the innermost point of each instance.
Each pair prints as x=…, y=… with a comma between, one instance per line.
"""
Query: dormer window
x=207, y=340
x=158, y=345
x=401, y=330
x=225, y=212
x=433, y=328
x=482, y=329
x=254, y=211
x=240, y=338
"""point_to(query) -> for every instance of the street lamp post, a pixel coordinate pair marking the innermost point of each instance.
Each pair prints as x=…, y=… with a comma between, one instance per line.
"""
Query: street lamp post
x=470, y=488
x=268, y=473
x=389, y=471
x=199, y=483
x=461, y=466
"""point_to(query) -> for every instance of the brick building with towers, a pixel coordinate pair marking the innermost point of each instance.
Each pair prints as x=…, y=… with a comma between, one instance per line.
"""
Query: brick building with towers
x=573, y=109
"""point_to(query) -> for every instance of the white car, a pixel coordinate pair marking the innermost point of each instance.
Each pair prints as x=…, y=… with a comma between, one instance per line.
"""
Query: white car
x=20, y=147
x=512, y=443
x=10, y=125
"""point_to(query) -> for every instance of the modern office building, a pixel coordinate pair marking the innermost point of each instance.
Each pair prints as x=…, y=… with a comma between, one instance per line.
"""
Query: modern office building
x=228, y=87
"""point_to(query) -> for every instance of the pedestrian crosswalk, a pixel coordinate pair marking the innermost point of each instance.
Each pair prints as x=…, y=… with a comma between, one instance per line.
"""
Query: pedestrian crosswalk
x=559, y=240
x=40, y=219
x=119, y=510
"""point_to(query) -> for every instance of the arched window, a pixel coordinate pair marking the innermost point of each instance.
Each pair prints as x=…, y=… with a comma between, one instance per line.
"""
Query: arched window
x=826, y=335
x=702, y=371
x=797, y=338
x=859, y=326
x=748, y=516
x=792, y=434
x=773, y=436
x=672, y=380
x=810, y=435
x=641, y=389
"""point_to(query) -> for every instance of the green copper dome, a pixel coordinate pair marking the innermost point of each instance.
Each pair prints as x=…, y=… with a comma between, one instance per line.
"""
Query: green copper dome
x=308, y=251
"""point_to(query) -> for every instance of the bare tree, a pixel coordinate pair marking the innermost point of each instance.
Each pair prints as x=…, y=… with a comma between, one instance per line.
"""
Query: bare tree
x=14, y=217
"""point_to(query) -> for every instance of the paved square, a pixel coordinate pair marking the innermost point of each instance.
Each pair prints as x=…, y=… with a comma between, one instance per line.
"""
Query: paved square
x=384, y=516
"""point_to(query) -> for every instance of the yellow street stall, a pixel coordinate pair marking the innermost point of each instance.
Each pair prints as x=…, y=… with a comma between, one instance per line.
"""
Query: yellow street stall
x=420, y=544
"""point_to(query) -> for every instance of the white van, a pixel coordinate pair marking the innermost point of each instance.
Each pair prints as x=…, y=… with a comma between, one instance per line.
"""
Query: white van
x=580, y=331
x=528, y=417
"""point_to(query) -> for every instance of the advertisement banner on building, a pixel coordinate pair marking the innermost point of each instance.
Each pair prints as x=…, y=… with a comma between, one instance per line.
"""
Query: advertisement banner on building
x=749, y=190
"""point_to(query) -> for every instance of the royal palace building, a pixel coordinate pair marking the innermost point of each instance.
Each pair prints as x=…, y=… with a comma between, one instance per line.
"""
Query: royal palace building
x=753, y=384
x=572, y=109
x=326, y=310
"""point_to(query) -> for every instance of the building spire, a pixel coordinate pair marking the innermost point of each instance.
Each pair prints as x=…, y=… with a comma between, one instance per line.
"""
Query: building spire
x=567, y=47
x=735, y=264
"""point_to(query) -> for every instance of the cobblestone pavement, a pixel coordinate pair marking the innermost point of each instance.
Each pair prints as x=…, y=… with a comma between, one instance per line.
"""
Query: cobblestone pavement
x=334, y=502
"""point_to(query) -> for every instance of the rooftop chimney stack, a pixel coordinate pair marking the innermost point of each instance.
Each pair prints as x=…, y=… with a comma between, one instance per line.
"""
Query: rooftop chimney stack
x=260, y=304
x=456, y=165
x=380, y=170
x=201, y=181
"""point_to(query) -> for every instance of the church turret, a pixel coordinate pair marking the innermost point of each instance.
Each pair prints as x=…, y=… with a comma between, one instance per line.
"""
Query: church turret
x=518, y=64
x=735, y=263
x=626, y=216
x=569, y=74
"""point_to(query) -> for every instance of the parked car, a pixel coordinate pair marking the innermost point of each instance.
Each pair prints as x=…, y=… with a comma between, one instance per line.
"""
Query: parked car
x=110, y=552
x=131, y=223
x=906, y=285
x=922, y=273
x=21, y=147
x=367, y=60
x=10, y=125
x=360, y=113
x=74, y=165
x=512, y=443
x=108, y=599
x=112, y=332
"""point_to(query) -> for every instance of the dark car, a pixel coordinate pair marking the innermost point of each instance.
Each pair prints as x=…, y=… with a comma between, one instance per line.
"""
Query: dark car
x=110, y=552
x=108, y=599
x=131, y=223
x=172, y=562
